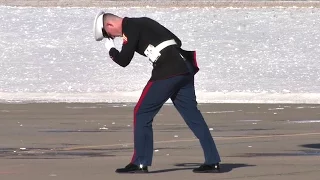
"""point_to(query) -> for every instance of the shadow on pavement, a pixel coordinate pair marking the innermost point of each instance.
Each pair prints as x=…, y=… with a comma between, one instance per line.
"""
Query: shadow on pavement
x=314, y=146
x=225, y=167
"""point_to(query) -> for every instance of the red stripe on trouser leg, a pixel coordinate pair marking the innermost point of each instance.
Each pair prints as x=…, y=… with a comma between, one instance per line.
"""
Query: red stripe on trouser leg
x=136, y=108
x=195, y=59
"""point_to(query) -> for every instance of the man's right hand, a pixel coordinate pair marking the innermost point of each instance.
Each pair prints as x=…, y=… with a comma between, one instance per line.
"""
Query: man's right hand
x=109, y=44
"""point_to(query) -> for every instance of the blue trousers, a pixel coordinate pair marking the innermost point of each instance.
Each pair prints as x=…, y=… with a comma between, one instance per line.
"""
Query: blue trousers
x=182, y=93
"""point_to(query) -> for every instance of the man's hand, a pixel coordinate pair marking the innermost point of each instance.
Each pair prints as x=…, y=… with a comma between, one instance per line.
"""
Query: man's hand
x=109, y=44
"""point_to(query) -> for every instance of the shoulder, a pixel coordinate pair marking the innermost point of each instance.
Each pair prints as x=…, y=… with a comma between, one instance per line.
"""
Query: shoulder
x=133, y=20
x=135, y=23
x=131, y=27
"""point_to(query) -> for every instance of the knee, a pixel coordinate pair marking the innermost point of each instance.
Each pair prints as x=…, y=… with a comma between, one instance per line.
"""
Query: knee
x=142, y=119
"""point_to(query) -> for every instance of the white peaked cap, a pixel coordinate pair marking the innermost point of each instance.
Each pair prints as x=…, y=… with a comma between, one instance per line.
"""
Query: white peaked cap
x=98, y=26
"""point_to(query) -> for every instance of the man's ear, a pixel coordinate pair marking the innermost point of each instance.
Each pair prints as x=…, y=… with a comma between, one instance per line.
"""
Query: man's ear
x=109, y=24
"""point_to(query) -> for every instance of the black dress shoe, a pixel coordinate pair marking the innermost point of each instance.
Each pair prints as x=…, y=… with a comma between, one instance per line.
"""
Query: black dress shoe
x=132, y=168
x=206, y=168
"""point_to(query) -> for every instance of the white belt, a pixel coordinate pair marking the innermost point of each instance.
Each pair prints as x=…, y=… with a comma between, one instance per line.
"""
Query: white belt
x=165, y=44
x=153, y=53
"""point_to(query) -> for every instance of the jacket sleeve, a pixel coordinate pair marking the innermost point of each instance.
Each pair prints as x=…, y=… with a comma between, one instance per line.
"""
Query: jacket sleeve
x=130, y=41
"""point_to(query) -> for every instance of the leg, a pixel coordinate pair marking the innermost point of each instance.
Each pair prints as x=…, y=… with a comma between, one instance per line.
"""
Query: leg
x=153, y=97
x=185, y=102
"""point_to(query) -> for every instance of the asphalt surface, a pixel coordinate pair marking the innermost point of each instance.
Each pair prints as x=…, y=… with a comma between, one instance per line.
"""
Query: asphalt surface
x=89, y=141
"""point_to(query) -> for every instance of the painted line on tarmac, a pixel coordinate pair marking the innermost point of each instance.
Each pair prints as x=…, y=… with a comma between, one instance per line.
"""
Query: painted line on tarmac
x=194, y=139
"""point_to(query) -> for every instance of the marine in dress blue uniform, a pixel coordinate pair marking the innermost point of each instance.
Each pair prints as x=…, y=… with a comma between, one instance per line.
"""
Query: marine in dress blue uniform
x=172, y=77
